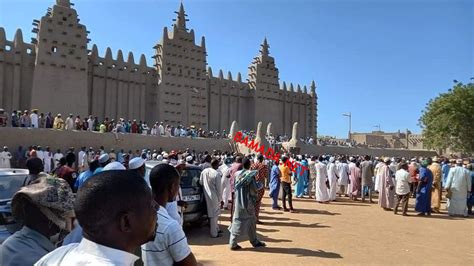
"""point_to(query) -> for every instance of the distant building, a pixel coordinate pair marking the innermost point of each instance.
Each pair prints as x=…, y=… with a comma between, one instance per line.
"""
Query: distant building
x=399, y=140
x=56, y=72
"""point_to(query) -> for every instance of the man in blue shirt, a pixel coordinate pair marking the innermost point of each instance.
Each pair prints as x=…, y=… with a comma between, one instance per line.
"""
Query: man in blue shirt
x=86, y=174
x=445, y=171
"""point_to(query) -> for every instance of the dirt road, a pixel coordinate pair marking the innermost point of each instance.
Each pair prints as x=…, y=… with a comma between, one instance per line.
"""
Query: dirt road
x=342, y=232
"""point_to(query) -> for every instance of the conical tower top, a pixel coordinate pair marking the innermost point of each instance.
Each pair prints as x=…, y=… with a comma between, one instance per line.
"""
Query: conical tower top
x=180, y=21
x=64, y=3
x=264, y=50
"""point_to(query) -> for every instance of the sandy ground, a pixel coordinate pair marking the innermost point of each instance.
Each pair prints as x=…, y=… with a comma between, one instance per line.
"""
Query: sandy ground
x=342, y=232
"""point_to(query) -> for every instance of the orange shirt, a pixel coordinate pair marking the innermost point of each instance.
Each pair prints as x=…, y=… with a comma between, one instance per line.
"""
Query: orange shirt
x=285, y=173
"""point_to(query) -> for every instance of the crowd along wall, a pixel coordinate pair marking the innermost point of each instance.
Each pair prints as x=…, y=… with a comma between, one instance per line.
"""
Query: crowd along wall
x=13, y=137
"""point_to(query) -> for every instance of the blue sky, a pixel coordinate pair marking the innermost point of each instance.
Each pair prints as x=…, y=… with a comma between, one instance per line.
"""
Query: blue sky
x=381, y=60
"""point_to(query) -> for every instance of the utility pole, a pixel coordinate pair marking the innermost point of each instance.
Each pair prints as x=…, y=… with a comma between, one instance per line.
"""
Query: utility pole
x=350, y=123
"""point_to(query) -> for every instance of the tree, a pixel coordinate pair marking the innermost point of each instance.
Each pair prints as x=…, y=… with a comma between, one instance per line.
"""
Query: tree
x=448, y=120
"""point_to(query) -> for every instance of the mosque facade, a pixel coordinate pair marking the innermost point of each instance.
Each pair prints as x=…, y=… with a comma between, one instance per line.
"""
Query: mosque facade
x=59, y=72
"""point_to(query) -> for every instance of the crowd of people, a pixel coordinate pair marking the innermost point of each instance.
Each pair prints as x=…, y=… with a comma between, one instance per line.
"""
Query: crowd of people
x=34, y=119
x=116, y=218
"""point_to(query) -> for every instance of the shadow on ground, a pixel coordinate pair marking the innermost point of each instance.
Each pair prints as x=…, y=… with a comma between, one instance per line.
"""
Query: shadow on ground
x=295, y=224
x=299, y=252
x=314, y=211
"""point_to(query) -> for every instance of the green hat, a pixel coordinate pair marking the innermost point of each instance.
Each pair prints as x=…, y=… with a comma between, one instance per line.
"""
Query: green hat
x=424, y=163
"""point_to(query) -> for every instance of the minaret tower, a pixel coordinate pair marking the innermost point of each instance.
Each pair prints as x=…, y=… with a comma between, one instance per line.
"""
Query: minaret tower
x=264, y=79
x=181, y=64
x=60, y=76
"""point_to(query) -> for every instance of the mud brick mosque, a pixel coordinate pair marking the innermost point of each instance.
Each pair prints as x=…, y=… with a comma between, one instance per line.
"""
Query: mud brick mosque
x=58, y=72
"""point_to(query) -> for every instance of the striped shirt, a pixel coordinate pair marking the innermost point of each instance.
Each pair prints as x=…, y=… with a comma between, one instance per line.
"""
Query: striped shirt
x=170, y=244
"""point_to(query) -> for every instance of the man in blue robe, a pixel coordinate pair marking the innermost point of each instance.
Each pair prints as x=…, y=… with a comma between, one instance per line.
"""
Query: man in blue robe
x=423, y=191
x=244, y=219
x=299, y=176
x=275, y=186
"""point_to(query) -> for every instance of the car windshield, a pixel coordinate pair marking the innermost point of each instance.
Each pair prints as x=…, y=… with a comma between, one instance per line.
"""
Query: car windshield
x=9, y=184
x=190, y=177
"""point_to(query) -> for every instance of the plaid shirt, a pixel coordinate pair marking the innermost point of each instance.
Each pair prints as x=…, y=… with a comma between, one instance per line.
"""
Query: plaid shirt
x=262, y=174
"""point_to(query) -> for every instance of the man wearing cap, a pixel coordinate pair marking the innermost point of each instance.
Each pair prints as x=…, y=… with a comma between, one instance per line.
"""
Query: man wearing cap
x=46, y=209
x=103, y=161
x=56, y=157
x=332, y=177
x=34, y=118
x=47, y=158
x=435, y=168
x=117, y=214
x=82, y=159
x=5, y=157
x=114, y=166
x=386, y=186
x=244, y=220
x=210, y=179
x=25, y=119
x=58, y=122
x=69, y=122
x=423, y=191
x=137, y=165
x=458, y=187
x=367, y=172
x=224, y=169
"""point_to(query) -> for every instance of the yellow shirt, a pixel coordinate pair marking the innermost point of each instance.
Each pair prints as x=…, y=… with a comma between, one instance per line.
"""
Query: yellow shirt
x=285, y=173
x=436, y=170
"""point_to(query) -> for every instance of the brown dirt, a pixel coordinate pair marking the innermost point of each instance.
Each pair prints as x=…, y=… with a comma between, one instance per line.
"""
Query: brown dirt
x=342, y=232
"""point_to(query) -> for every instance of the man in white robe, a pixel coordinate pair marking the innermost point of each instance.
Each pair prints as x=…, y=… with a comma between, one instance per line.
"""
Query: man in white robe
x=386, y=186
x=378, y=164
x=161, y=129
x=458, y=186
x=322, y=194
x=343, y=181
x=40, y=154
x=82, y=159
x=211, y=181
x=332, y=176
x=154, y=130
x=351, y=165
x=47, y=157
x=69, y=125
x=34, y=118
x=5, y=157
x=224, y=169
x=56, y=157
x=90, y=123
